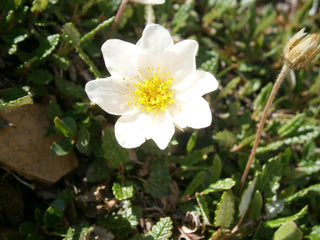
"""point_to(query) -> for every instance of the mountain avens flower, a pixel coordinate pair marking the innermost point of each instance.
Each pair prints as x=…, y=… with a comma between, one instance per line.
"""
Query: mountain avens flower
x=148, y=1
x=154, y=85
x=301, y=49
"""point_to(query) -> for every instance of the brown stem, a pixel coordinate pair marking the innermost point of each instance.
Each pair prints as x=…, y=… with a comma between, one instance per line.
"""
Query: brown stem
x=118, y=15
x=285, y=69
x=218, y=234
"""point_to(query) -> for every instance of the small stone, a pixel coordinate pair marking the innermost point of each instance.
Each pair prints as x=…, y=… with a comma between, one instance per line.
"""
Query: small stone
x=25, y=149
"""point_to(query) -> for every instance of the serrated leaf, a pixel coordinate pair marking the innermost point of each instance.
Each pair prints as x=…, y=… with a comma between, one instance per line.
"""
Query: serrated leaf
x=14, y=38
x=220, y=185
x=212, y=64
x=204, y=208
x=278, y=222
x=315, y=233
x=292, y=125
x=246, y=198
x=66, y=126
x=195, y=183
x=39, y=5
x=256, y=204
x=262, y=98
x=122, y=192
x=181, y=15
x=98, y=170
x=225, y=139
x=70, y=89
x=225, y=210
x=229, y=87
x=78, y=232
x=46, y=47
x=130, y=213
x=162, y=230
x=40, y=77
x=271, y=173
x=98, y=28
x=304, y=135
x=288, y=231
x=113, y=152
x=192, y=141
x=303, y=193
x=72, y=35
x=83, y=139
x=158, y=183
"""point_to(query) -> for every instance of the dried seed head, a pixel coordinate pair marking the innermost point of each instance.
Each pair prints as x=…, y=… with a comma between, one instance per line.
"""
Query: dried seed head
x=301, y=49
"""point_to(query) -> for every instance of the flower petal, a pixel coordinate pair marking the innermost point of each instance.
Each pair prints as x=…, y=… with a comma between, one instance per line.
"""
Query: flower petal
x=149, y=1
x=180, y=60
x=199, y=83
x=120, y=57
x=130, y=130
x=193, y=113
x=109, y=94
x=155, y=39
x=161, y=129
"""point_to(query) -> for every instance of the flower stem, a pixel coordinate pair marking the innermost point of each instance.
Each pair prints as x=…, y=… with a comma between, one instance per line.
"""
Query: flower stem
x=149, y=14
x=118, y=15
x=285, y=69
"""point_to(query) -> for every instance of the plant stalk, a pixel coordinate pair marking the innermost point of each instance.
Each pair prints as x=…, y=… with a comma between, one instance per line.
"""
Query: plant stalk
x=118, y=15
x=285, y=69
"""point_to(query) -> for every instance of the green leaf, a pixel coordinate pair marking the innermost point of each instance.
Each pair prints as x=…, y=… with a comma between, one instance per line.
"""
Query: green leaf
x=315, y=233
x=262, y=98
x=112, y=150
x=271, y=174
x=158, y=183
x=123, y=192
x=256, y=204
x=27, y=227
x=71, y=89
x=46, y=47
x=304, y=135
x=97, y=29
x=288, y=231
x=15, y=97
x=303, y=193
x=83, y=140
x=71, y=33
x=66, y=126
x=223, y=184
x=225, y=211
x=130, y=213
x=192, y=141
x=78, y=233
x=15, y=37
x=54, y=213
x=278, y=222
x=229, y=87
x=291, y=126
x=195, y=183
x=212, y=64
x=225, y=139
x=162, y=230
x=216, y=168
x=204, y=208
x=98, y=170
x=191, y=159
x=40, y=77
x=61, y=147
x=181, y=16
x=246, y=198
x=39, y=5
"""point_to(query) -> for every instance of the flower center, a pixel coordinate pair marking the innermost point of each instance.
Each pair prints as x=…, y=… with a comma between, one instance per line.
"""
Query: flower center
x=152, y=92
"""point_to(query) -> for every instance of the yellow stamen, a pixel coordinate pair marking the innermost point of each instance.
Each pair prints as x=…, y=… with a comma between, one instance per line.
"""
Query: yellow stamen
x=152, y=92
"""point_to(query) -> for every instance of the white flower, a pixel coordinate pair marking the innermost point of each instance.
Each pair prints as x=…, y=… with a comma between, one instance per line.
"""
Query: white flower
x=154, y=85
x=149, y=1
